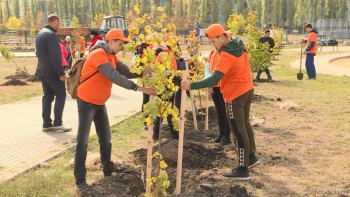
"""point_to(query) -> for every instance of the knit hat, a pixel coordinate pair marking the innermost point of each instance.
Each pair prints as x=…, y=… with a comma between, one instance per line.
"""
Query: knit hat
x=94, y=32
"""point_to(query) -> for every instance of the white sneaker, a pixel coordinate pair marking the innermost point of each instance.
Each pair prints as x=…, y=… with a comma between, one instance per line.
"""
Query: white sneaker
x=60, y=128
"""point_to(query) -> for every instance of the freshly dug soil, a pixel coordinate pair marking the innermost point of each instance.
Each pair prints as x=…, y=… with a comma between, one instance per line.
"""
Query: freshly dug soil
x=19, y=75
x=203, y=161
x=14, y=82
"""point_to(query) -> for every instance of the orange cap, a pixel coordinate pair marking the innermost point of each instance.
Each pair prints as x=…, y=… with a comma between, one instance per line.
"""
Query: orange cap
x=215, y=30
x=116, y=34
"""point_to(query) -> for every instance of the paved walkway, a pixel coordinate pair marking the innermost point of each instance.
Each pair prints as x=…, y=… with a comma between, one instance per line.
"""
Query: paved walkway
x=23, y=145
x=323, y=64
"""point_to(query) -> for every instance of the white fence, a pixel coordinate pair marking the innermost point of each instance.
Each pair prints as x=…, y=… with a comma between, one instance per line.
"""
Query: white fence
x=334, y=28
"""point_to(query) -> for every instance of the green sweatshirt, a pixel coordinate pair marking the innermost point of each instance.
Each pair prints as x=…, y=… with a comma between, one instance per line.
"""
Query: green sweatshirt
x=236, y=48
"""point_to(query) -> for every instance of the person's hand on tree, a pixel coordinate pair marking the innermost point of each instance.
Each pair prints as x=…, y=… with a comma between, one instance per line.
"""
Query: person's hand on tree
x=149, y=91
x=186, y=85
x=148, y=71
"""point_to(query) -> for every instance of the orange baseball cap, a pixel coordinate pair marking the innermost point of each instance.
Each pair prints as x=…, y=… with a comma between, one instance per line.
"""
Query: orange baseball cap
x=215, y=30
x=116, y=34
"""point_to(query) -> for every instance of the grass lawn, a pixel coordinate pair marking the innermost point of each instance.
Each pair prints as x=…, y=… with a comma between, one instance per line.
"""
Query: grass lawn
x=10, y=94
x=304, y=152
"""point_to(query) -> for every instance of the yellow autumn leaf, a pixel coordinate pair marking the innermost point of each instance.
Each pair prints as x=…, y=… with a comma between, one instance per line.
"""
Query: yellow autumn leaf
x=160, y=9
x=142, y=37
x=171, y=27
x=148, y=29
x=158, y=25
x=163, y=17
x=140, y=21
x=137, y=9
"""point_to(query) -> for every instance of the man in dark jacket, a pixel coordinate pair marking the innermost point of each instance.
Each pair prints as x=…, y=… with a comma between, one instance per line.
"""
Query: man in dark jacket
x=271, y=41
x=51, y=74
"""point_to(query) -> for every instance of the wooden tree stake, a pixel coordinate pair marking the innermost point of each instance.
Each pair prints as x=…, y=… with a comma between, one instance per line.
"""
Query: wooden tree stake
x=185, y=75
x=206, y=112
x=149, y=156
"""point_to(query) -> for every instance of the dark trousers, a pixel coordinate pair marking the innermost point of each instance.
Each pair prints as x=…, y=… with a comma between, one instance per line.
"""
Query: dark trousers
x=267, y=71
x=238, y=113
x=310, y=66
x=87, y=113
x=220, y=107
x=53, y=87
x=145, y=100
x=69, y=60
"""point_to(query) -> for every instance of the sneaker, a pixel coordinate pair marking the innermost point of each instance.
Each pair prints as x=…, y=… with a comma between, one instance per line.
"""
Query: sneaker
x=253, y=161
x=225, y=141
x=82, y=186
x=218, y=139
x=61, y=128
x=47, y=129
x=240, y=173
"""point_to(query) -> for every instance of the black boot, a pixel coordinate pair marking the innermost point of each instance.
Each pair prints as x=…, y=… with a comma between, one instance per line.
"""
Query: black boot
x=175, y=135
x=225, y=141
x=218, y=139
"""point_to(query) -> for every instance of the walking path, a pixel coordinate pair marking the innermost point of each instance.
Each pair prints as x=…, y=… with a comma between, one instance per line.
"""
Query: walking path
x=23, y=145
x=323, y=64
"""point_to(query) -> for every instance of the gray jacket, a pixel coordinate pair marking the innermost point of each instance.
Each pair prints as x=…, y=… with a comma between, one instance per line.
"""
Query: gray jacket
x=48, y=52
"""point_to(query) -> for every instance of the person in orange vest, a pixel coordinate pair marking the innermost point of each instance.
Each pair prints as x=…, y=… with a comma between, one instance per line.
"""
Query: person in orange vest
x=101, y=69
x=80, y=45
x=163, y=48
x=236, y=85
x=310, y=51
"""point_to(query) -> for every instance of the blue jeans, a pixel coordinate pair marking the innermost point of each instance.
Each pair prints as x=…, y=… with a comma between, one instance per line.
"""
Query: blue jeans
x=53, y=87
x=310, y=66
x=87, y=113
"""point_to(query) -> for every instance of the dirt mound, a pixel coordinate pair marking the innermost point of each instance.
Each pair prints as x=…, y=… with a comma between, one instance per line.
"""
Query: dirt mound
x=259, y=98
x=33, y=78
x=127, y=183
x=14, y=82
x=196, y=156
x=22, y=74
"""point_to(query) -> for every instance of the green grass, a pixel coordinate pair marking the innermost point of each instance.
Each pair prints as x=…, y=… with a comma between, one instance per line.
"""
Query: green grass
x=58, y=180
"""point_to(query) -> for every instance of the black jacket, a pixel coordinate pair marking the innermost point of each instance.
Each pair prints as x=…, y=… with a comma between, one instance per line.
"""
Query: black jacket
x=48, y=52
x=270, y=40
